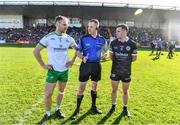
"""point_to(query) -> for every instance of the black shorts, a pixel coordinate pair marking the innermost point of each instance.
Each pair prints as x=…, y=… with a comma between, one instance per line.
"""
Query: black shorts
x=118, y=77
x=90, y=70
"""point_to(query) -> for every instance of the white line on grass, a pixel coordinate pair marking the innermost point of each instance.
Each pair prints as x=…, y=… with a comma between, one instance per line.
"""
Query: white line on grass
x=29, y=111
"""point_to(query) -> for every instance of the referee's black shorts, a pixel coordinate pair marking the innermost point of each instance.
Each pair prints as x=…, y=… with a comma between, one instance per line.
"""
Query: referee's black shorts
x=90, y=70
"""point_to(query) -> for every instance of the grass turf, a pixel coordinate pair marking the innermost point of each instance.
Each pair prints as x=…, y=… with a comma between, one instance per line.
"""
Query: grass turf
x=154, y=91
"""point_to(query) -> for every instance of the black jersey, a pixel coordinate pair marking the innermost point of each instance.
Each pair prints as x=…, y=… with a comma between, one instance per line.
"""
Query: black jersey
x=153, y=45
x=122, y=56
x=171, y=47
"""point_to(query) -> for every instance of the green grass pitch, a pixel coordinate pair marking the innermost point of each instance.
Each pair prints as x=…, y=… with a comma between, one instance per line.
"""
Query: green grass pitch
x=154, y=91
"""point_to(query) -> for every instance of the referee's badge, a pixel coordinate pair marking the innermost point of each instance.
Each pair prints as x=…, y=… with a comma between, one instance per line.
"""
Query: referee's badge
x=128, y=48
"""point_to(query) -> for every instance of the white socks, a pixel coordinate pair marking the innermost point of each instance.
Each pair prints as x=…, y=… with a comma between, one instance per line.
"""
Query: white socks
x=48, y=113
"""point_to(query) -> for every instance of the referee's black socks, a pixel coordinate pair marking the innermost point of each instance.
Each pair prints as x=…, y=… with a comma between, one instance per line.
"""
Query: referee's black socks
x=79, y=100
x=93, y=97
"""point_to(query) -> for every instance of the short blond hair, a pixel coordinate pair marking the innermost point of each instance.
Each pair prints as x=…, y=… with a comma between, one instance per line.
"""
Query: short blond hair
x=96, y=21
x=60, y=17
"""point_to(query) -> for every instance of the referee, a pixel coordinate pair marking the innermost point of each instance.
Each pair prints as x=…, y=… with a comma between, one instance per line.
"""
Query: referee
x=90, y=46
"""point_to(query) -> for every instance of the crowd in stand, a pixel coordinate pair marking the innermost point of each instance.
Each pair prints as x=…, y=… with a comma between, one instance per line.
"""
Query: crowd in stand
x=76, y=33
x=32, y=34
x=144, y=36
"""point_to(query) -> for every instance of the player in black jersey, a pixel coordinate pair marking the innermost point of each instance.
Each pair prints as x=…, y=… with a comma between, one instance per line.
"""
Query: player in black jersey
x=153, y=46
x=171, y=49
x=122, y=52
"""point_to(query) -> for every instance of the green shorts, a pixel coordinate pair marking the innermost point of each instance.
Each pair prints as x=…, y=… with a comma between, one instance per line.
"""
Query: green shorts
x=54, y=76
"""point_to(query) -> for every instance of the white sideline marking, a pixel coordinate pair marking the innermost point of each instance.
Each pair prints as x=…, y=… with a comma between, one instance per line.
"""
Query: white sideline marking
x=29, y=112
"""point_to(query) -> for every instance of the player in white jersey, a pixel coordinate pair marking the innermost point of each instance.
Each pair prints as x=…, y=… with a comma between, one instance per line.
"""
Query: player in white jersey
x=57, y=43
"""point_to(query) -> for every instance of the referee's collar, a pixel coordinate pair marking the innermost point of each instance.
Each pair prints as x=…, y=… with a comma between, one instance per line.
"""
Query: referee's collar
x=98, y=35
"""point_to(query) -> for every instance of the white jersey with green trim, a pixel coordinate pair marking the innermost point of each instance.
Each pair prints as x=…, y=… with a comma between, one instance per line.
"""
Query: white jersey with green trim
x=57, y=46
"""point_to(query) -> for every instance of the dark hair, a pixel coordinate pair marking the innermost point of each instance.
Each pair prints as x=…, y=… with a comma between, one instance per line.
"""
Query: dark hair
x=123, y=26
x=95, y=21
x=59, y=17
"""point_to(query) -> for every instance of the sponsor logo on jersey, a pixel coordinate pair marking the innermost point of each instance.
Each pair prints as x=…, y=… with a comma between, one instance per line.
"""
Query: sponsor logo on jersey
x=121, y=54
x=60, y=49
x=121, y=48
x=67, y=41
x=128, y=48
x=99, y=42
x=88, y=44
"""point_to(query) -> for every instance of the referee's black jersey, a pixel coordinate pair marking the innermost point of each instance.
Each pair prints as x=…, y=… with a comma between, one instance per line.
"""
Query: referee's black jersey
x=122, y=56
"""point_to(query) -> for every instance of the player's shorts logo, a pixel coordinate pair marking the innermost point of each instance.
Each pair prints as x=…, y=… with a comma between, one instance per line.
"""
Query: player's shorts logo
x=113, y=75
x=127, y=78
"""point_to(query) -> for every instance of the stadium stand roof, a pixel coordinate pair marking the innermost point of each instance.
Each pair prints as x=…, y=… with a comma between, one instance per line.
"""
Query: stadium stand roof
x=145, y=4
x=102, y=10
